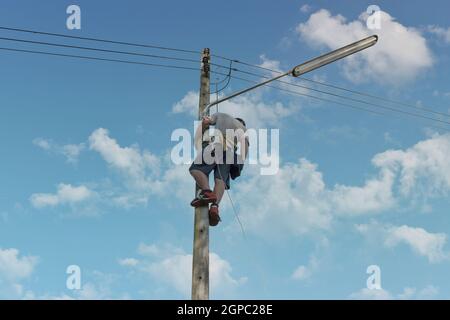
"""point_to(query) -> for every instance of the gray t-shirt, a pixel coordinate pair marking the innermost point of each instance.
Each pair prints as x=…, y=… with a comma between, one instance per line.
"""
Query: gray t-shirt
x=224, y=122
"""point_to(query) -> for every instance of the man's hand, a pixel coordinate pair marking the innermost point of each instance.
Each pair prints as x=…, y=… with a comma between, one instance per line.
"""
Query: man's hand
x=198, y=139
x=206, y=121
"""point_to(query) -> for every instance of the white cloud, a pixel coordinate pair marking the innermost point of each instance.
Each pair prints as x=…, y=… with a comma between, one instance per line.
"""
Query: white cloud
x=70, y=151
x=220, y=272
x=424, y=164
x=304, y=272
x=444, y=94
x=13, y=270
x=371, y=294
x=169, y=265
x=389, y=139
x=42, y=143
x=290, y=202
x=100, y=286
x=129, y=160
x=250, y=107
x=141, y=176
x=308, y=204
x=286, y=83
x=422, y=242
x=90, y=291
x=400, y=55
x=188, y=104
x=174, y=271
x=305, y=8
x=175, y=175
x=30, y=295
x=66, y=194
x=139, y=168
x=442, y=33
x=14, y=267
x=148, y=249
x=129, y=262
x=270, y=64
x=256, y=112
x=409, y=293
x=374, y=196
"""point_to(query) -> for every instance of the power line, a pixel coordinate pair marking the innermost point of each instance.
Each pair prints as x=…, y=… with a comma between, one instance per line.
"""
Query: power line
x=342, y=104
x=196, y=69
x=98, y=49
x=99, y=40
x=114, y=51
x=227, y=79
x=304, y=94
x=374, y=96
x=103, y=50
x=245, y=63
x=423, y=108
x=99, y=59
x=52, y=44
x=234, y=208
x=355, y=100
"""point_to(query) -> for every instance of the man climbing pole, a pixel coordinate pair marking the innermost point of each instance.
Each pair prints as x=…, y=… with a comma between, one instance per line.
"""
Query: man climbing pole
x=218, y=153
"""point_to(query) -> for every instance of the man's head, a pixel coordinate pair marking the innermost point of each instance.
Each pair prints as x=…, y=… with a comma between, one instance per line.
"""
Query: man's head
x=241, y=121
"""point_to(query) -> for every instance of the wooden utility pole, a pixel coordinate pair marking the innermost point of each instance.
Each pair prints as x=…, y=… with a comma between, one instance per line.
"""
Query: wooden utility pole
x=200, y=261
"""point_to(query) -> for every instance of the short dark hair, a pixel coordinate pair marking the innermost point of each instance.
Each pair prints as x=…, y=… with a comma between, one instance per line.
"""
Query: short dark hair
x=241, y=121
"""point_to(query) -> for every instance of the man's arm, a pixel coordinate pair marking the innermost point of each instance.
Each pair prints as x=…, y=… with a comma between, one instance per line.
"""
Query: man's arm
x=205, y=123
x=244, y=145
x=247, y=145
x=198, y=139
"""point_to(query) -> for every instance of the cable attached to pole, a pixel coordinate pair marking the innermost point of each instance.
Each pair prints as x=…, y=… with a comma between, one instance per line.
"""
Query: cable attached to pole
x=233, y=207
x=227, y=79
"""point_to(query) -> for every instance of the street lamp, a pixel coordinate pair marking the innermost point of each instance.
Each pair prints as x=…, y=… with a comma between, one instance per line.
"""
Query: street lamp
x=308, y=66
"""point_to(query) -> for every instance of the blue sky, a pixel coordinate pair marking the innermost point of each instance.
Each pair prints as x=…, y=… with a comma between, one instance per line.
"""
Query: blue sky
x=86, y=178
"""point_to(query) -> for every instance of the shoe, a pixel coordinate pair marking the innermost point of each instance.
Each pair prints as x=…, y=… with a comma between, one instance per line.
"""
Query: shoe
x=214, y=217
x=203, y=198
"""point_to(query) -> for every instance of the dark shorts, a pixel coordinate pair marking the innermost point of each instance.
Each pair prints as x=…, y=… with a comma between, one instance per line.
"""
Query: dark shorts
x=221, y=170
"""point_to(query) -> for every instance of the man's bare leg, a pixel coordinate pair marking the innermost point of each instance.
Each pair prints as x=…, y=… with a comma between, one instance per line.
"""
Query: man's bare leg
x=219, y=189
x=201, y=179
